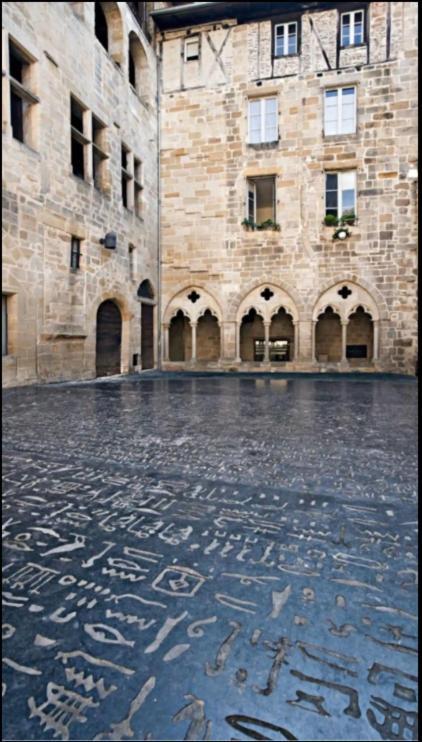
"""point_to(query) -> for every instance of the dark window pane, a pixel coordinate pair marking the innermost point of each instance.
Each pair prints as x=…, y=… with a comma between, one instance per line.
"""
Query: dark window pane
x=132, y=70
x=331, y=199
x=76, y=115
x=124, y=158
x=101, y=30
x=331, y=181
x=16, y=115
x=96, y=168
x=124, y=191
x=78, y=159
x=16, y=64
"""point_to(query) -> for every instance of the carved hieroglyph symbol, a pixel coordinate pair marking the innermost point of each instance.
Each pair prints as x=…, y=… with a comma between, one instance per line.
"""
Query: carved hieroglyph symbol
x=180, y=581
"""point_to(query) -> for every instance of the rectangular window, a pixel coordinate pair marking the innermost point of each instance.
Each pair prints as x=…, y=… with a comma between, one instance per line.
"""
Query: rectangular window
x=75, y=253
x=263, y=120
x=352, y=28
x=340, y=111
x=78, y=138
x=261, y=199
x=137, y=168
x=131, y=262
x=340, y=193
x=99, y=155
x=192, y=48
x=21, y=97
x=285, y=39
x=126, y=177
x=4, y=325
x=279, y=350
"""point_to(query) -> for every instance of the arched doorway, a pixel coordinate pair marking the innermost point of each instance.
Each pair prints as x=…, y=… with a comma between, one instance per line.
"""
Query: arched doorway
x=282, y=336
x=328, y=337
x=360, y=337
x=208, y=338
x=109, y=339
x=180, y=338
x=252, y=337
x=146, y=294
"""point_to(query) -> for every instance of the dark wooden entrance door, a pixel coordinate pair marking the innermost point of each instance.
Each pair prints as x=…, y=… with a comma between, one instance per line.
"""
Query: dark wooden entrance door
x=147, y=336
x=109, y=339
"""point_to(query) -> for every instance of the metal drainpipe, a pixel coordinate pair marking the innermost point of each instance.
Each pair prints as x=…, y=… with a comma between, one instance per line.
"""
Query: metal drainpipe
x=159, y=336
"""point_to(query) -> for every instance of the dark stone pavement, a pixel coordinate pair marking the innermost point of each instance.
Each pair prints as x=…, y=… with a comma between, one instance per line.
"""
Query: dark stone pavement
x=210, y=557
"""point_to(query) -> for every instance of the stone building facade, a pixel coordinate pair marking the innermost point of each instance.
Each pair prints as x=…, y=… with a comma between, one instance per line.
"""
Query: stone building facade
x=245, y=118
x=170, y=172
x=87, y=116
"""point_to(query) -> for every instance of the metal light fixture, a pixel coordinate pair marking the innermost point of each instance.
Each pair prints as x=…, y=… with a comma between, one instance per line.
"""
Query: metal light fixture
x=342, y=234
x=413, y=173
x=109, y=241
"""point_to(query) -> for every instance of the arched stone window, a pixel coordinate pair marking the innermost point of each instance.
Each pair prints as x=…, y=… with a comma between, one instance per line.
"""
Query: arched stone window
x=204, y=315
x=109, y=29
x=145, y=290
x=139, y=73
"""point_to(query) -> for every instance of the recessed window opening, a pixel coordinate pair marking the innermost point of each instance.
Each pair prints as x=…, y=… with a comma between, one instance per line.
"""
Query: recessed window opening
x=78, y=139
x=340, y=193
x=263, y=120
x=192, y=48
x=137, y=168
x=285, y=39
x=352, y=28
x=99, y=155
x=261, y=199
x=21, y=97
x=101, y=29
x=4, y=320
x=126, y=176
x=75, y=253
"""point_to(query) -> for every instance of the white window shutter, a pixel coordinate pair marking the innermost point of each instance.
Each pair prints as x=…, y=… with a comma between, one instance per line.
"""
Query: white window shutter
x=270, y=120
x=331, y=102
x=254, y=135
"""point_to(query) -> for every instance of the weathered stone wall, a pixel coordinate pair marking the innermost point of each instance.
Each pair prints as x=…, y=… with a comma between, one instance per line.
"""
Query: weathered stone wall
x=52, y=311
x=205, y=160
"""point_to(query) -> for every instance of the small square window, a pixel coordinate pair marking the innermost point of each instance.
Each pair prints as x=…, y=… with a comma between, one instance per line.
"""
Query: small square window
x=285, y=39
x=191, y=48
x=352, y=28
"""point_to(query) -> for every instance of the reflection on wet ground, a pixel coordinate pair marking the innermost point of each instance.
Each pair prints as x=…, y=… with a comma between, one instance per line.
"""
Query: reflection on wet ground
x=223, y=557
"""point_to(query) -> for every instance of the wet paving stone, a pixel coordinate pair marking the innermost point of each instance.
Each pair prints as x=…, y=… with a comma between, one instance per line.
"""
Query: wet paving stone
x=216, y=557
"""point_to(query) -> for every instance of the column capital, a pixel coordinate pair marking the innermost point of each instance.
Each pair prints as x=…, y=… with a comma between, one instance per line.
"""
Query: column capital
x=344, y=322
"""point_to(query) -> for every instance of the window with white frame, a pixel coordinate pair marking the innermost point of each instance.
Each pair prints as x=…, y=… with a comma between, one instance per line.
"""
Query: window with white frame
x=191, y=48
x=340, y=193
x=352, y=28
x=340, y=111
x=262, y=117
x=285, y=39
x=261, y=199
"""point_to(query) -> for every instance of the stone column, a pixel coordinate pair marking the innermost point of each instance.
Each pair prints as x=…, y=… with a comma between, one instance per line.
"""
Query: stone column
x=166, y=342
x=238, y=326
x=296, y=340
x=267, y=326
x=313, y=351
x=376, y=340
x=344, y=324
x=194, y=326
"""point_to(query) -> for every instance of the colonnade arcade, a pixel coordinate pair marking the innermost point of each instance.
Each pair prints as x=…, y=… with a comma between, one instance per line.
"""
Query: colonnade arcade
x=341, y=327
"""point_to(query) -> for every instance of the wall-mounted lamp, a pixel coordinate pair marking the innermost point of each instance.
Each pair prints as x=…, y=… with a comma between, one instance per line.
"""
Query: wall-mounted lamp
x=412, y=174
x=109, y=241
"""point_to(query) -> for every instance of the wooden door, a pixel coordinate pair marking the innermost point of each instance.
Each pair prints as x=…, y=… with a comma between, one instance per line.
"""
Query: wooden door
x=147, y=336
x=109, y=339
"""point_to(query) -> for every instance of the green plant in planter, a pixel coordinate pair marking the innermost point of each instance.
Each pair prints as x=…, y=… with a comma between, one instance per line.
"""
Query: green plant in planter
x=348, y=218
x=330, y=220
x=269, y=224
x=249, y=224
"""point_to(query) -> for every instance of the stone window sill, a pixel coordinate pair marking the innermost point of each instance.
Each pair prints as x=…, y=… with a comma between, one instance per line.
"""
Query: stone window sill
x=263, y=145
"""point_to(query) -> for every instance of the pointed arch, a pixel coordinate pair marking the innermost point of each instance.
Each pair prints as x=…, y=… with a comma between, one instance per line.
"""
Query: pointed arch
x=344, y=297
x=138, y=66
x=193, y=301
x=109, y=29
x=267, y=299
